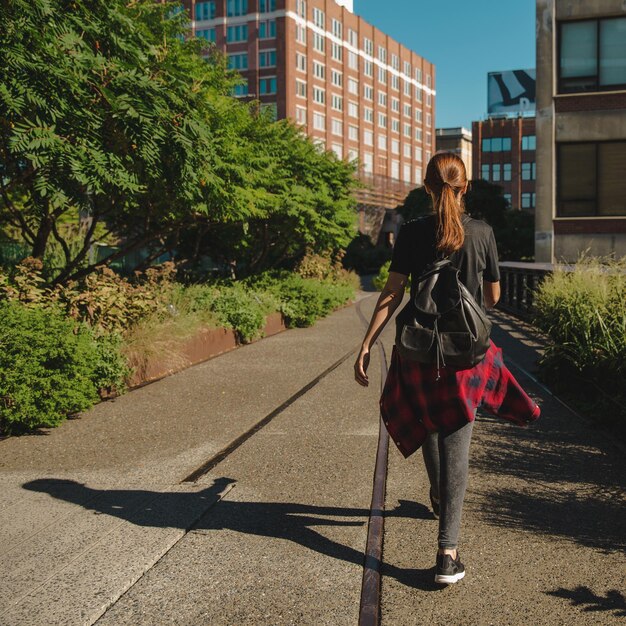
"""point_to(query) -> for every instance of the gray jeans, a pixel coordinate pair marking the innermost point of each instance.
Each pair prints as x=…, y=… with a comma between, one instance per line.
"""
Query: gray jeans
x=447, y=464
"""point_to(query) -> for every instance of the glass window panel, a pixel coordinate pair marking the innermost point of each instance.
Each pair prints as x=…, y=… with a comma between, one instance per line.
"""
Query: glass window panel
x=486, y=144
x=485, y=171
x=577, y=179
x=613, y=52
x=506, y=172
x=495, y=172
x=506, y=144
x=578, y=49
x=496, y=144
x=612, y=180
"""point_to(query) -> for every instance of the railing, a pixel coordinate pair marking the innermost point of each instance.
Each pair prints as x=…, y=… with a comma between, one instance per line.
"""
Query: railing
x=519, y=282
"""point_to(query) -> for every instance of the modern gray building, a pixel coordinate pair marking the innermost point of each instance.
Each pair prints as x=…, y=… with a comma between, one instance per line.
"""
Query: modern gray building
x=581, y=129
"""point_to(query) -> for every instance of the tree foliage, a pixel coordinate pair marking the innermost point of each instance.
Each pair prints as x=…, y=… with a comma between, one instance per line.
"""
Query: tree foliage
x=106, y=111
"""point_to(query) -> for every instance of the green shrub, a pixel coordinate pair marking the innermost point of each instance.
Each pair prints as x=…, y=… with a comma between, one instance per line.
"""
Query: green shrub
x=46, y=368
x=584, y=313
x=109, y=367
x=381, y=278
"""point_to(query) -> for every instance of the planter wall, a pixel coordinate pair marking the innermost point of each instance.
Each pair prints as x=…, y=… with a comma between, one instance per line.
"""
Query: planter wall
x=205, y=344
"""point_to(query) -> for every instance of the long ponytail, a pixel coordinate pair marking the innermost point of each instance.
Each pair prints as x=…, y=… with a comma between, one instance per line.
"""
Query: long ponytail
x=447, y=180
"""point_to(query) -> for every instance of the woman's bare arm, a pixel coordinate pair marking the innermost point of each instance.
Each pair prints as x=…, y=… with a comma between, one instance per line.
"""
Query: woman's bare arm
x=388, y=301
x=492, y=293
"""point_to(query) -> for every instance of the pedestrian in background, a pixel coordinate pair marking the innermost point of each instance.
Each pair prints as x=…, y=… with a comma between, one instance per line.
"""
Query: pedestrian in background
x=425, y=405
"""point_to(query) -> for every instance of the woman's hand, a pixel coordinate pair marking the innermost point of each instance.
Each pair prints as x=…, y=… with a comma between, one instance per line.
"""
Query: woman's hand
x=360, y=367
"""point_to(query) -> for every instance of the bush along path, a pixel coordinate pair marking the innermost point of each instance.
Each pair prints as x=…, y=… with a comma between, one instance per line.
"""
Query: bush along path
x=63, y=348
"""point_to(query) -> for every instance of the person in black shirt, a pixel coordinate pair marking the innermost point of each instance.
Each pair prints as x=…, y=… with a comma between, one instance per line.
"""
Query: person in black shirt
x=471, y=246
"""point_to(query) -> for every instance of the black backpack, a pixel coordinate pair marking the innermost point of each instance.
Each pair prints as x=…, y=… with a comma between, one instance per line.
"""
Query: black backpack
x=442, y=324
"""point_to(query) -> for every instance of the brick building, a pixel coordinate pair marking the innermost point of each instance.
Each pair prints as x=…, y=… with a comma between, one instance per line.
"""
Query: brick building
x=581, y=129
x=352, y=87
x=503, y=153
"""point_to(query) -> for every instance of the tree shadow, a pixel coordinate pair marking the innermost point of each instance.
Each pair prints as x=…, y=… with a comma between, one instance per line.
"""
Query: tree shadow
x=584, y=597
x=282, y=520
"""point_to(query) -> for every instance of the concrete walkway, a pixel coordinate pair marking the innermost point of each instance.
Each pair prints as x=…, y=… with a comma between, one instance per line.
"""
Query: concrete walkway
x=96, y=525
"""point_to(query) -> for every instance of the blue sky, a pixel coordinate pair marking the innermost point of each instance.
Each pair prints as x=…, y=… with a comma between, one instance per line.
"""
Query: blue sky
x=465, y=39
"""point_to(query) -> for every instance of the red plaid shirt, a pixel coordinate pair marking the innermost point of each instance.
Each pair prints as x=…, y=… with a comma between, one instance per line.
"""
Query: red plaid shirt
x=414, y=403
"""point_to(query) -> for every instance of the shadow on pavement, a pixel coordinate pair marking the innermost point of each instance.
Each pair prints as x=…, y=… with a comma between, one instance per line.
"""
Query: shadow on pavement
x=282, y=520
x=583, y=596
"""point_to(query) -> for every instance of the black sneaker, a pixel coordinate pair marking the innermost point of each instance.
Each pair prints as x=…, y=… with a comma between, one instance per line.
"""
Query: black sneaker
x=449, y=570
x=435, y=504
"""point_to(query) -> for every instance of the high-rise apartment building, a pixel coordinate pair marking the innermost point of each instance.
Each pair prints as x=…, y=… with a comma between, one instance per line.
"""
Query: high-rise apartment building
x=581, y=129
x=353, y=88
x=504, y=154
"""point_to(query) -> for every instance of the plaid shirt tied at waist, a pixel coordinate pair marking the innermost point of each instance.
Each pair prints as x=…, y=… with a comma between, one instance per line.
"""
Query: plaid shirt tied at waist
x=414, y=403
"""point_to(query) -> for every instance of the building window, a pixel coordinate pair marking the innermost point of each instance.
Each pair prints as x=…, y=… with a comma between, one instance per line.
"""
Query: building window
x=395, y=126
x=429, y=81
x=418, y=175
x=236, y=7
x=301, y=8
x=336, y=51
x=529, y=171
x=368, y=68
x=368, y=162
x=368, y=92
x=300, y=88
x=590, y=179
x=428, y=138
x=237, y=33
x=337, y=28
x=338, y=150
x=508, y=198
x=319, y=121
x=382, y=75
x=407, y=150
x=382, y=142
x=353, y=38
x=238, y=61
x=484, y=171
x=353, y=154
x=265, y=6
x=301, y=115
x=528, y=201
x=407, y=131
x=353, y=86
x=353, y=60
x=318, y=42
x=353, y=109
x=300, y=62
x=319, y=18
x=406, y=173
x=395, y=169
x=395, y=62
x=418, y=134
x=592, y=55
x=418, y=74
x=241, y=89
x=368, y=137
x=267, y=85
x=206, y=33
x=205, y=11
x=336, y=102
x=368, y=114
x=267, y=29
x=382, y=54
x=395, y=82
x=418, y=115
x=529, y=142
x=336, y=78
x=353, y=133
x=407, y=68
x=319, y=95
x=319, y=70
x=300, y=34
x=506, y=172
x=407, y=110
x=497, y=144
x=418, y=154
x=429, y=100
x=382, y=98
x=418, y=94
x=382, y=120
x=336, y=127
x=495, y=172
x=395, y=105
x=267, y=58
x=368, y=46
x=429, y=120
x=395, y=146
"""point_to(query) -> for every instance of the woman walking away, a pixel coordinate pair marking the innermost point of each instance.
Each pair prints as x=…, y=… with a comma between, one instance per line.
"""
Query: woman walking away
x=426, y=403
